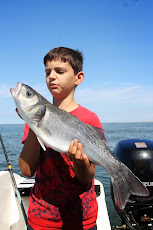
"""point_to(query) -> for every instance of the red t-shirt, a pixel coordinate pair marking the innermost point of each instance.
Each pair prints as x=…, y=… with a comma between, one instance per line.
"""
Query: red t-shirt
x=58, y=200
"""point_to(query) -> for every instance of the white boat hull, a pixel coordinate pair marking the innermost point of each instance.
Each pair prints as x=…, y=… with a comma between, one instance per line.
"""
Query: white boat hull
x=11, y=217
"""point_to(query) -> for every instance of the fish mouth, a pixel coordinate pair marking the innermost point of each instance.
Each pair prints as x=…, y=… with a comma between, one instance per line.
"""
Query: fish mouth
x=15, y=92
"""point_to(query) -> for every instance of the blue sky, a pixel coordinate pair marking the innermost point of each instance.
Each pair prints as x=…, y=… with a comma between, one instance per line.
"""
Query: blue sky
x=116, y=37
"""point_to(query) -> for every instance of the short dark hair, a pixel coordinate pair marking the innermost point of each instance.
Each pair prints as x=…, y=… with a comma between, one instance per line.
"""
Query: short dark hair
x=73, y=57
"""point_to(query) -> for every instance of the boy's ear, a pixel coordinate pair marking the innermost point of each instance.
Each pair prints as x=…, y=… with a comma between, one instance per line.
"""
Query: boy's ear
x=79, y=78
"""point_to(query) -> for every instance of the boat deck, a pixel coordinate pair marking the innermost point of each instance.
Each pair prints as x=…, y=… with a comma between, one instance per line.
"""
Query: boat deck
x=11, y=217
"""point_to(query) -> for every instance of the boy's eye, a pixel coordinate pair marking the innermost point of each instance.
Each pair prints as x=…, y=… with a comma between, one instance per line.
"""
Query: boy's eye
x=47, y=74
x=59, y=71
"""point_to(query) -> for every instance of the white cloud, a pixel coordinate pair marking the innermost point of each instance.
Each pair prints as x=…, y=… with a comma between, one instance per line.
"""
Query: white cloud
x=123, y=94
x=111, y=93
x=113, y=103
x=41, y=88
x=5, y=91
x=119, y=103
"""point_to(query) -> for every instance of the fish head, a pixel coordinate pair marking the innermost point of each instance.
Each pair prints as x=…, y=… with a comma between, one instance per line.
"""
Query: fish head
x=28, y=103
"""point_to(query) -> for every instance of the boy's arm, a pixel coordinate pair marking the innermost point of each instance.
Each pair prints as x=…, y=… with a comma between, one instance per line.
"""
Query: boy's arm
x=84, y=170
x=29, y=158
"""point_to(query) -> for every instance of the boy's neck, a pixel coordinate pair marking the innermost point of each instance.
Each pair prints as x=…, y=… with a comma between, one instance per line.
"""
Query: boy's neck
x=65, y=104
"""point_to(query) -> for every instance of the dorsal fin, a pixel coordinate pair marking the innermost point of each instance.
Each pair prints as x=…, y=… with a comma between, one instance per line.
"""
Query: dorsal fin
x=100, y=131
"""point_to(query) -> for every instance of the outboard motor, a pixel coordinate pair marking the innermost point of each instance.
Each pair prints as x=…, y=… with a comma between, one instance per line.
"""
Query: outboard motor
x=137, y=155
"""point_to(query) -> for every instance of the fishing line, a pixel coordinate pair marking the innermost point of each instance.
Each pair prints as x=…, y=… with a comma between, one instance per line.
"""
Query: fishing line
x=14, y=182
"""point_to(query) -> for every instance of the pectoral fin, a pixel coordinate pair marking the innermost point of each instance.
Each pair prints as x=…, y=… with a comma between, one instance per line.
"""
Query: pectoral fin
x=41, y=143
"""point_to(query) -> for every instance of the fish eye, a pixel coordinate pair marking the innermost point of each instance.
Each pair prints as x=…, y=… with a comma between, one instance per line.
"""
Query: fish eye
x=28, y=93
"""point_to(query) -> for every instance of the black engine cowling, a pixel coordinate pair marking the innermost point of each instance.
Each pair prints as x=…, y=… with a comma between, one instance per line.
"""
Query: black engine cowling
x=137, y=155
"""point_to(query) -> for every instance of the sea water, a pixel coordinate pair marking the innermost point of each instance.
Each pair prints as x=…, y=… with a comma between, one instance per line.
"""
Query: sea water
x=114, y=132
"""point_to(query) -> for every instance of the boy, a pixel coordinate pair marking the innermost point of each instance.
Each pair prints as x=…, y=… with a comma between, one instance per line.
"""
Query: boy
x=63, y=196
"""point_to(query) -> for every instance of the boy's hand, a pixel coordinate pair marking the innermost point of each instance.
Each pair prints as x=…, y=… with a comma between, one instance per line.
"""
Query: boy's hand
x=84, y=170
x=76, y=151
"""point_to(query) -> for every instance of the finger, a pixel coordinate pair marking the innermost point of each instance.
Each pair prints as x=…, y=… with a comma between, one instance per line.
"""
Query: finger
x=78, y=154
x=70, y=147
x=73, y=147
x=86, y=160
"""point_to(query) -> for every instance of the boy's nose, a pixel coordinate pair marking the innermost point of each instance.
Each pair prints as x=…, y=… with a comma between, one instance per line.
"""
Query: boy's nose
x=52, y=75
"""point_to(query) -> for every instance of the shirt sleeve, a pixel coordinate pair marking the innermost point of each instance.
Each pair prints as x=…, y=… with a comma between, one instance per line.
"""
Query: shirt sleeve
x=25, y=133
x=94, y=121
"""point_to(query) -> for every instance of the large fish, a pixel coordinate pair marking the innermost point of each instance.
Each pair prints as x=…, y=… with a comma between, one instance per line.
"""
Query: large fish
x=56, y=128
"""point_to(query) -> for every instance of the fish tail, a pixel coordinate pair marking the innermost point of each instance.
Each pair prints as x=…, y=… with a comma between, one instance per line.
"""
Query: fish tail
x=124, y=184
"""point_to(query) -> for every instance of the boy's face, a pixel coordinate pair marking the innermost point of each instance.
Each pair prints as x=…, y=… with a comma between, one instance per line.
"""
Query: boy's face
x=60, y=78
